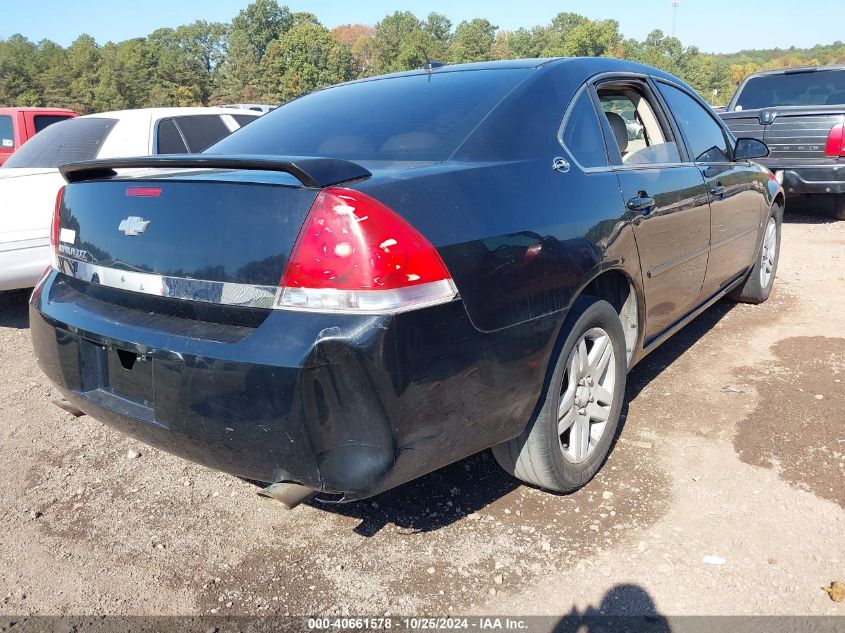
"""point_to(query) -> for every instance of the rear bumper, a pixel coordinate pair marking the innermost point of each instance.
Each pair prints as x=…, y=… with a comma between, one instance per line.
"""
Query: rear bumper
x=822, y=179
x=21, y=263
x=344, y=404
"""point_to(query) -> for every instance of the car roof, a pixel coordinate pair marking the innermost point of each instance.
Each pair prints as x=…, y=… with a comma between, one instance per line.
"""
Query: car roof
x=34, y=109
x=582, y=67
x=159, y=113
x=796, y=70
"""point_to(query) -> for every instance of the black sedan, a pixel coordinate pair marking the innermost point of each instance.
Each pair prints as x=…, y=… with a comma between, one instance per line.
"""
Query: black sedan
x=386, y=276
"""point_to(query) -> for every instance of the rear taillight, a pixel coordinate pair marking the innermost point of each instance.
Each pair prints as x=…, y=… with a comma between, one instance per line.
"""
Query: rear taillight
x=836, y=141
x=54, y=232
x=356, y=254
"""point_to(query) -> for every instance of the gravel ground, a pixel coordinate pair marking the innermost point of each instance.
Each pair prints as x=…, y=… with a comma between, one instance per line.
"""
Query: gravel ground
x=732, y=448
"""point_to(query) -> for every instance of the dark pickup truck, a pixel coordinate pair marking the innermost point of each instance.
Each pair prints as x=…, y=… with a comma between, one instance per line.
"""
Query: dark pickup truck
x=800, y=114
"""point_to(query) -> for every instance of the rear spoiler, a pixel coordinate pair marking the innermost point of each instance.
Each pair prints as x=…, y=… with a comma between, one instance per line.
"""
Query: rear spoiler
x=312, y=172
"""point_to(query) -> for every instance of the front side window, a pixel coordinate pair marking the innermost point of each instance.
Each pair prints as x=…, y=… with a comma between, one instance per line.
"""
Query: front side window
x=641, y=137
x=66, y=142
x=582, y=134
x=706, y=139
x=7, y=133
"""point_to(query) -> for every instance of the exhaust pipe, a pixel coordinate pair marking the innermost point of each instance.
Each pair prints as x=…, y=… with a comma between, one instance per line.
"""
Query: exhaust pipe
x=289, y=494
x=67, y=406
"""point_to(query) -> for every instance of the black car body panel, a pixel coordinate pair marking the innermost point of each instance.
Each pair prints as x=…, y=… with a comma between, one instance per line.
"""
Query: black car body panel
x=343, y=404
x=355, y=403
x=795, y=134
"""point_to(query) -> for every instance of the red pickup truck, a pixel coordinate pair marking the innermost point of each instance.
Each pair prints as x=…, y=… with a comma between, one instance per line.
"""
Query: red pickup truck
x=18, y=125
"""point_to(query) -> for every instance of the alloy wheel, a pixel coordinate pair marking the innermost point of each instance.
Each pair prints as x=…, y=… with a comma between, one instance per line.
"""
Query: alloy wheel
x=586, y=395
x=767, y=257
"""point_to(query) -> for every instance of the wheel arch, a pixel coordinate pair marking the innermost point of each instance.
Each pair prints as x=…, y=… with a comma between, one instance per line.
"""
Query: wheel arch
x=618, y=288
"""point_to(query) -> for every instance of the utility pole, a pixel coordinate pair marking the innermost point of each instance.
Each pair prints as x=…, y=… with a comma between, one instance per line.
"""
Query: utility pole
x=675, y=5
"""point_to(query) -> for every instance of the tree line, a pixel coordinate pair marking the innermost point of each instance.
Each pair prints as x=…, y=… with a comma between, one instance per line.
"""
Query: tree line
x=269, y=54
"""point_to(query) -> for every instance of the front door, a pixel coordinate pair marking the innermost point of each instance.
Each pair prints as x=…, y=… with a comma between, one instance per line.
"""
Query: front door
x=666, y=199
x=734, y=188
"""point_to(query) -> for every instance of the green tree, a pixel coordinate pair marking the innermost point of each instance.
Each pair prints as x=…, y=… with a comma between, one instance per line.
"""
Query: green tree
x=438, y=30
x=399, y=43
x=123, y=76
x=18, y=71
x=473, y=41
x=304, y=59
x=83, y=58
x=251, y=33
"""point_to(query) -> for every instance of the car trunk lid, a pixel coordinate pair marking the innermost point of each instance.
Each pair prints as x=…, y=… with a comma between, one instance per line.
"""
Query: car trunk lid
x=206, y=230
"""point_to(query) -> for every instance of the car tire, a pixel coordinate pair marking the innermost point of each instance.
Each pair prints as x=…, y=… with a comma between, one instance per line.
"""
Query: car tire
x=758, y=284
x=548, y=454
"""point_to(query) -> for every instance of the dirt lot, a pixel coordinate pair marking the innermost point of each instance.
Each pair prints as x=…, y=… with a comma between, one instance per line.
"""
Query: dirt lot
x=733, y=446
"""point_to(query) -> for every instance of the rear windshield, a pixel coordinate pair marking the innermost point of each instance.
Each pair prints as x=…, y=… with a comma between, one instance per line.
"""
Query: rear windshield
x=822, y=87
x=416, y=117
x=62, y=143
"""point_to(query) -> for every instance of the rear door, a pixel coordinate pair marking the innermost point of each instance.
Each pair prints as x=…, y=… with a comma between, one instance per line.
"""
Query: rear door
x=735, y=188
x=666, y=198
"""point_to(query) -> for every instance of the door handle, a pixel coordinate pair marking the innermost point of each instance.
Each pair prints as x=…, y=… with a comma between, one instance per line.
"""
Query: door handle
x=717, y=191
x=642, y=204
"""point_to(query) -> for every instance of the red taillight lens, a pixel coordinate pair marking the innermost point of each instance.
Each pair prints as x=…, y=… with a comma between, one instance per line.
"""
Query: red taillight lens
x=354, y=253
x=836, y=141
x=54, y=231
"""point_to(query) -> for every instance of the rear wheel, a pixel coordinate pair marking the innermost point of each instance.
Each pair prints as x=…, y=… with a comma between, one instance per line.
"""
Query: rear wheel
x=569, y=440
x=758, y=285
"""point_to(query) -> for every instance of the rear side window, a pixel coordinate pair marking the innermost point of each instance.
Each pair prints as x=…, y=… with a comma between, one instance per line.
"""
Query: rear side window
x=44, y=120
x=190, y=133
x=169, y=138
x=413, y=117
x=582, y=134
x=821, y=87
x=7, y=133
x=243, y=119
x=66, y=142
x=201, y=132
x=706, y=139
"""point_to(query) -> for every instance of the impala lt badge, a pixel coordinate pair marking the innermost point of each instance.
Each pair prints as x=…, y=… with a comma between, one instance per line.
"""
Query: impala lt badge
x=133, y=225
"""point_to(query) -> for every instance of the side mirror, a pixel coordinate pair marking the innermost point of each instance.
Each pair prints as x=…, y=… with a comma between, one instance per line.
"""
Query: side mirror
x=750, y=148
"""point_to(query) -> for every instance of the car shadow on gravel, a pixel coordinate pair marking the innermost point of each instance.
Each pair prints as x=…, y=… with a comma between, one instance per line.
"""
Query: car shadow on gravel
x=445, y=496
x=14, y=308
x=808, y=214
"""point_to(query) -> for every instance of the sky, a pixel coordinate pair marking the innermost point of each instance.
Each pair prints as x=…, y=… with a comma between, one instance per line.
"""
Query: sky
x=719, y=26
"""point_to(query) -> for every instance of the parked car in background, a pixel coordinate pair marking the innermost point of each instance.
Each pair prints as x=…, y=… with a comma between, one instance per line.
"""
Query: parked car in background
x=255, y=107
x=30, y=178
x=433, y=263
x=18, y=125
x=800, y=114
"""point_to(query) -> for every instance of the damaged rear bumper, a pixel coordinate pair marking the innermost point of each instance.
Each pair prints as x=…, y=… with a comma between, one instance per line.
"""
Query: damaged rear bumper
x=343, y=404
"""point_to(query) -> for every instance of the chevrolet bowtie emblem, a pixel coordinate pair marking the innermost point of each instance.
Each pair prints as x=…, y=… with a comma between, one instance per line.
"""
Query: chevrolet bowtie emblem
x=133, y=225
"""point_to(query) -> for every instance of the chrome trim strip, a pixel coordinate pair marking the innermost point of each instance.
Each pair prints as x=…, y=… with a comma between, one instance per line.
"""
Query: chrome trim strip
x=260, y=296
x=224, y=293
